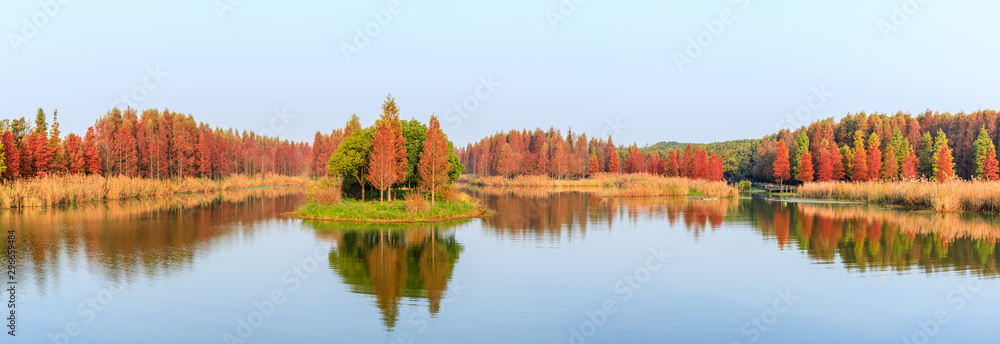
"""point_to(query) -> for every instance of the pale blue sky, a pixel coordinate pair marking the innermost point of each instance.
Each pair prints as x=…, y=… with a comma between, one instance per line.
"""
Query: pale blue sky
x=607, y=62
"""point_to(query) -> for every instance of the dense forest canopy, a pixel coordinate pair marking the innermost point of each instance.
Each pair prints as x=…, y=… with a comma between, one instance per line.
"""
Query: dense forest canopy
x=166, y=144
x=153, y=144
x=855, y=147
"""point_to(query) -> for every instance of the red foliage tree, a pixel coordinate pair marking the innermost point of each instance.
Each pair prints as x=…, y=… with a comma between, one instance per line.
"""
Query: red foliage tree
x=40, y=154
x=781, y=166
x=655, y=164
x=890, y=166
x=910, y=167
x=434, y=165
x=507, y=162
x=594, y=166
x=73, y=148
x=991, y=168
x=874, y=160
x=90, y=154
x=715, y=171
x=12, y=157
x=859, y=165
x=836, y=161
x=614, y=162
x=825, y=168
x=388, y=158
x=673, y=166
x=635, y=162
x=805, y=170
x=688, y=162
x=945, y=163
x=701, y=164
x=320, y=154
x=206, y=153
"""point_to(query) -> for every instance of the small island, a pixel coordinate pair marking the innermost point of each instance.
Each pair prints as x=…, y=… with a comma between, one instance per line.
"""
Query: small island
x=410, y=165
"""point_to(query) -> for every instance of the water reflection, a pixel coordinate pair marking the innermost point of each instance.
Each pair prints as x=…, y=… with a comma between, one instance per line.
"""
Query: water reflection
x=870, y=238
x=393, y=262
x=863, y=238
x=128, y=239
x=548, y=215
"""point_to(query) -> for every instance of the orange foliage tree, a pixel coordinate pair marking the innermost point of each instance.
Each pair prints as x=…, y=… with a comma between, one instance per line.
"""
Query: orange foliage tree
x=805, y=171
x=781, y=166
x=990, y=166
x=825, y=168
x=635, y=161
x=859, y=165
x=890, y=168
x=715, y=172
x=910, y=167
x=434, y=163
x=672, y=168
x=874, y=157
x=389, y=158
x=945, y=164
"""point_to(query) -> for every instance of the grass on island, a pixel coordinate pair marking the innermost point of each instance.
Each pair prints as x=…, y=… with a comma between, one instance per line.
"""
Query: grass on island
x=55, y=190
x=976, y=196
x=617, y=185
x=325, y=203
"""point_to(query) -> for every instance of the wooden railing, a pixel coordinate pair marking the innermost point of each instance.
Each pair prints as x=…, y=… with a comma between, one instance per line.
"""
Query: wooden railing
x=770, y=187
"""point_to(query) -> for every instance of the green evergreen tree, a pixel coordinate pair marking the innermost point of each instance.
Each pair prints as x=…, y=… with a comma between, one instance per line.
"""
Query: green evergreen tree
x=900, y=146
x=802, y=148
x=40, y=124
x=926, y=156
x=981, y=148
x=847, y=157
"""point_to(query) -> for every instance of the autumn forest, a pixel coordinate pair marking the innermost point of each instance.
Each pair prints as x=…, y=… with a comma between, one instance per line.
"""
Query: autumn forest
x=404, y=154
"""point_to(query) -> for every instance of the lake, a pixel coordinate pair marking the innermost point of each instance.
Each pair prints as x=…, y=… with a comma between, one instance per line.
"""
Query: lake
x=547, y=267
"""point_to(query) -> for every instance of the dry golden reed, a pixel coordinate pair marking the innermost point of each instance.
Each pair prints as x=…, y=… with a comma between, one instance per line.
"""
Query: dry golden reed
x=978, y=196
x=638, y=184
x=55, y=190
x=415, y=203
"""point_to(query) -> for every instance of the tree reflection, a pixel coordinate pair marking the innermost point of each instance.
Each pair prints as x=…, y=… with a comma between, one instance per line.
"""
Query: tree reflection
x=129, y=239
x=555, y=215
x=390, y=262
x=864, y=237
x=871, y=238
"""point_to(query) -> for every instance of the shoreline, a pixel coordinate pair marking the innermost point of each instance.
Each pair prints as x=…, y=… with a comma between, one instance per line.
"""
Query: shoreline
x=612, y=185
x=472, y=214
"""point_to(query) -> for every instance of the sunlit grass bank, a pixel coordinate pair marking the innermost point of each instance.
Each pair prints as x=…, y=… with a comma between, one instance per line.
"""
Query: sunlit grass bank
x=978, y=196
x=55, y=190
x=349, y=210
x=639, y=184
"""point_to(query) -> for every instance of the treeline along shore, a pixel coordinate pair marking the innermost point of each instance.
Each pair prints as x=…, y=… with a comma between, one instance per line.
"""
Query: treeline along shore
x=879, y=158
x=941, y=161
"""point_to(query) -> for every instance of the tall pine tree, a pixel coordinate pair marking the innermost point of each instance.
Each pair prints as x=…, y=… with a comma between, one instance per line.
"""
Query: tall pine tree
x=981, y=148
x=781, y=165
x=434, y=163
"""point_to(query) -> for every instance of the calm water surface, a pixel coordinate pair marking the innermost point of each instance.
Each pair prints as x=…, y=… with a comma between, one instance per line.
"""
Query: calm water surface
x=556, y=267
